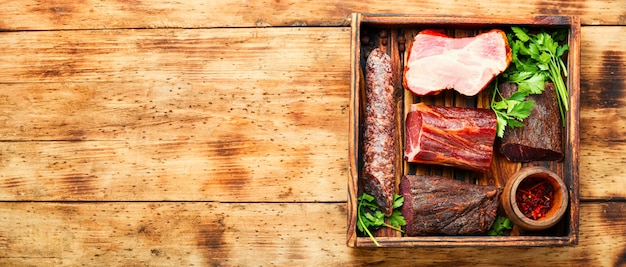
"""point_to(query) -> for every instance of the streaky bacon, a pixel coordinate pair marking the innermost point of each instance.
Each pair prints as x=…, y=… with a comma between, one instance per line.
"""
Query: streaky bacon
x=437, y=62
x=450, y=136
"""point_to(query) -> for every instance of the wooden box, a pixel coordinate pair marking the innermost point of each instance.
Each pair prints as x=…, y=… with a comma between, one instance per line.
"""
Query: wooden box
x=367, y=27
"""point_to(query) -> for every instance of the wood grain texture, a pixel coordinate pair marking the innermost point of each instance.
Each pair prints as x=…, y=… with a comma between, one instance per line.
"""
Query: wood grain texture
x=172, y=58
x=241, y=115
x=240, y=169
x=221, y=234
x=141, y=100
x=603, y=112
x=93, y=14
x=281, y=106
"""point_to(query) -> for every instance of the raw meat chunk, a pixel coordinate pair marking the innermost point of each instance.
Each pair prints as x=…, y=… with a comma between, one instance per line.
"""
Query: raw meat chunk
x=437, y=62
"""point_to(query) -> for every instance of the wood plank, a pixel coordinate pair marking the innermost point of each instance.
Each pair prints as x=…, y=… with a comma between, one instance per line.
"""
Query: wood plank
x=166, y=58
x=190, y=104
x=600, y=171
x=290, y=166
x=242, y=115
x=280, y=106
x=92, y=14
x=603, y=80
x=603, y=112
x=222, y=234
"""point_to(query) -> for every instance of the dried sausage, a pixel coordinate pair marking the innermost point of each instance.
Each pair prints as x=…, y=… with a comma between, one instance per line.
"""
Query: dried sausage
x=380, y=131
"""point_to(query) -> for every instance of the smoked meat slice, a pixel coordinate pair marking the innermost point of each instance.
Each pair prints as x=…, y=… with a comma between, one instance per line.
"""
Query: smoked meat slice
x=436, y=205
x=540, y=137
x=450, y=136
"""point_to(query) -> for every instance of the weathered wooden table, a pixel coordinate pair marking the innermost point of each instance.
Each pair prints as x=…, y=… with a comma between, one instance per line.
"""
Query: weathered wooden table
x=180, y=133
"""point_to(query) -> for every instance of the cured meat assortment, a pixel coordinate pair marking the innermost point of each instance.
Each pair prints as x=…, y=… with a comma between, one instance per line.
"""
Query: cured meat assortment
x=540, y=138
x=380, y=131
x=440, y=205
x=437, y=62
x=434, y=126
x=451, y=136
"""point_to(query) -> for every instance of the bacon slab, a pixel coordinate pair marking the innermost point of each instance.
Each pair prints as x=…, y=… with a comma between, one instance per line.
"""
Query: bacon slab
x=437, y=62
x=450, y=136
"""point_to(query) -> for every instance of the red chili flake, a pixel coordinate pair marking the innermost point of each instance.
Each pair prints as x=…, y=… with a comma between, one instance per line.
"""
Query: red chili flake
x=534, y=197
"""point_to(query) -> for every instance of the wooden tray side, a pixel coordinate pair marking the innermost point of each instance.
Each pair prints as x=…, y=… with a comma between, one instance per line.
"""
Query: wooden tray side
x=353, y=146
x=465, y=241
x=395, y=20
x=573, y=128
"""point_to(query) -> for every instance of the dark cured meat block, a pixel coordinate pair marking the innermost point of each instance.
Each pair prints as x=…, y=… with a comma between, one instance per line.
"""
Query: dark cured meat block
x=379, y=142
x=540, y=138
x=451, y=136
x=438, y=205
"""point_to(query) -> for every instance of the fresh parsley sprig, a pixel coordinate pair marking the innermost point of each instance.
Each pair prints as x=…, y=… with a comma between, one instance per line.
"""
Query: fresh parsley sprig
x=369, y=216
x=500, y=225
x=510, y=111
x=535, y=58
x=542, y=54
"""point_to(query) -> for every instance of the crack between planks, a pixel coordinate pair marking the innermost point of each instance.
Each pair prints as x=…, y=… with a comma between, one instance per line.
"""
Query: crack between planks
x=344, y=23
x=339, y=25
x=588, y=200
x=169, y=201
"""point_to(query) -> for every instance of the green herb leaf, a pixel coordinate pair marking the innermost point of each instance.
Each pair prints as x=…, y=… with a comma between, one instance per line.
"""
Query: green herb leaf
x=510, y=111
x=519, y=76
x=396, y=219
x=521, y=110
x=369, y=216
x=519, y=96
x=500, y=225
x=561, y=50
x=532, y=85
x=545, y=58
x=533, y=50
x=514, y=123
x=536, y=58
x=520, y=33
x=501, y=124
x=499, y=105
x=398, y=200
x=510, y=105
x=367, y=198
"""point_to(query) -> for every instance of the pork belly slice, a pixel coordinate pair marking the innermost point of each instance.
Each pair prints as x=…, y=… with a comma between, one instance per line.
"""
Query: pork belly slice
x=450, y=136
x=437, y=62
x=436, y=205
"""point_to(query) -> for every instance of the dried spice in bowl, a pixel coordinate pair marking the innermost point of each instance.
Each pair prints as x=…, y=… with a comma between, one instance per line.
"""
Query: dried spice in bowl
x=534, y=197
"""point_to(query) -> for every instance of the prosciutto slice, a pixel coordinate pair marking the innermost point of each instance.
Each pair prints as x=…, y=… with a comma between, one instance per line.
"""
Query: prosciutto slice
x=450, y=136
x=437, y=62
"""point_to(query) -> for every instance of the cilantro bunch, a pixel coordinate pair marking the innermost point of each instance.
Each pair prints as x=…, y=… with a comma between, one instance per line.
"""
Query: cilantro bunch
x=369, y=216
x=536, y=58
